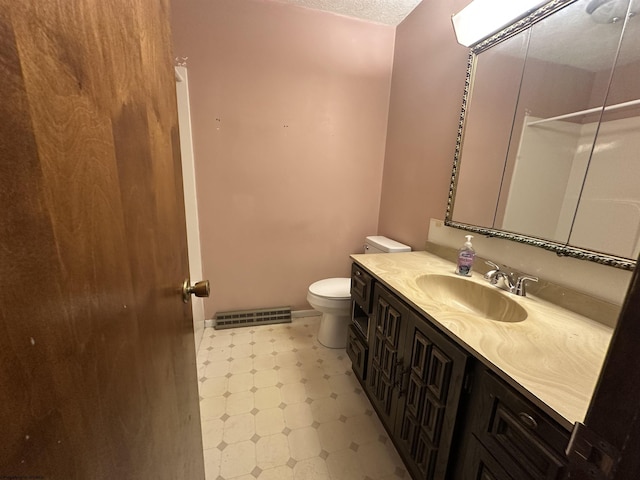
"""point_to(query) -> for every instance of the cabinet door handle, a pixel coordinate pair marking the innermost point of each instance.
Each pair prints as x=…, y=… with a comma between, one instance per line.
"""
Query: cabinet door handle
x=528, y=421
x=400, y=383
x=358, y=273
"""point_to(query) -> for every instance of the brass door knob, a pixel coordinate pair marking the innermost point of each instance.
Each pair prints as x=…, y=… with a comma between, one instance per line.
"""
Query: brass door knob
x=200, y=289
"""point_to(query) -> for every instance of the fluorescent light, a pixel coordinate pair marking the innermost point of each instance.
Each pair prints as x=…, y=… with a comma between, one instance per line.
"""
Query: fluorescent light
x=482, y=18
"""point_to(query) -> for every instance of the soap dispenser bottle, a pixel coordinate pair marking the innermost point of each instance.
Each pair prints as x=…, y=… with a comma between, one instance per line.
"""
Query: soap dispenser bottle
x=466, y=255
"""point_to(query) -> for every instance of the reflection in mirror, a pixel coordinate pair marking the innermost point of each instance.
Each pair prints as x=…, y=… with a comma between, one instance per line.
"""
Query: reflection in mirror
x=547, y=152
x=486, y=139
x=608, y=213
x=520, y=170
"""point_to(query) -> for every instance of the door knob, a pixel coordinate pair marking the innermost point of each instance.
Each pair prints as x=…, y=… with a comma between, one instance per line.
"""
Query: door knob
x=200, y=289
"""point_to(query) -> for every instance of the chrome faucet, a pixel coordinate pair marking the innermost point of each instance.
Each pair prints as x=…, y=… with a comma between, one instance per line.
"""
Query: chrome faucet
x=510, y=282
x=491, y=274
x=520, y=287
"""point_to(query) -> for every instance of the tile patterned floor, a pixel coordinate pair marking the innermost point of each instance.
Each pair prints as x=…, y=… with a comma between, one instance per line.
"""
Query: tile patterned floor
x=277, y=405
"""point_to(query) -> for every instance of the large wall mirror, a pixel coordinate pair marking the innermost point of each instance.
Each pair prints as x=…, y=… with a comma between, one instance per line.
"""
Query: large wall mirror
x=549, y=143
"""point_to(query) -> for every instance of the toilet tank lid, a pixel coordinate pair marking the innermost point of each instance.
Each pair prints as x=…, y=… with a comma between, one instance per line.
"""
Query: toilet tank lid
x=332, y=288
x=386, y=244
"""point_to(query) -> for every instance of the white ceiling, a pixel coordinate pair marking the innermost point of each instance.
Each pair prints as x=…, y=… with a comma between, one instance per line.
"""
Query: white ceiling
x=389, y=12
x=574, y=37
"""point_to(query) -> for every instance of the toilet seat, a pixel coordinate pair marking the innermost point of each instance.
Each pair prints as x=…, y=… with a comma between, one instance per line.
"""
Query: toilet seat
x=334, y=288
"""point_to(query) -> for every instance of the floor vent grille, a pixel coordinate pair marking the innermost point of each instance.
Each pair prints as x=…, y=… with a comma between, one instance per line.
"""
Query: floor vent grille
x=245, y=318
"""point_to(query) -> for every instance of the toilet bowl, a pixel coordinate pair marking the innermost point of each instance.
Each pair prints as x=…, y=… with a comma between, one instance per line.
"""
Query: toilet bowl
x=332, y=298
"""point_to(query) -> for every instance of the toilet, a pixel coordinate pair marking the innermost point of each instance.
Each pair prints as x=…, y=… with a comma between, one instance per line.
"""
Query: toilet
x=332, y=296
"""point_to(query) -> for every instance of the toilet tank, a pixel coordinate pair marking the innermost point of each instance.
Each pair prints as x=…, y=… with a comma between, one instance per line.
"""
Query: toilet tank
x=380, y=244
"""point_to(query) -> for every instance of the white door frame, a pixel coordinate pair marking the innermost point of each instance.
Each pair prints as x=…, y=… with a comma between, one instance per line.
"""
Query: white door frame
x=190, y=197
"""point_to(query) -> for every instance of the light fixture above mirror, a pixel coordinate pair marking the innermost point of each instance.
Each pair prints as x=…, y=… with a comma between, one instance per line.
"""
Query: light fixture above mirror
x=482, y=18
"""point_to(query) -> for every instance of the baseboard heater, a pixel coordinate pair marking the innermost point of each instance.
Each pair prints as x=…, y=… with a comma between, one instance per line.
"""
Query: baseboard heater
x=246, y=318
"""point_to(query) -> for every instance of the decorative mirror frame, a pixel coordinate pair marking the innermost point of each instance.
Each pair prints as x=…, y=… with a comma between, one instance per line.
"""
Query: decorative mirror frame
x=561, y=249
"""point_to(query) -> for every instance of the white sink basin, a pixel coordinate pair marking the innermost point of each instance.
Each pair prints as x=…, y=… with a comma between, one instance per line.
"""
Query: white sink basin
x=465, y=296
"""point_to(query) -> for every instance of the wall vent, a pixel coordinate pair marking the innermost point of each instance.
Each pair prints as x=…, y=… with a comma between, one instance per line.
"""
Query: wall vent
x=245, y=318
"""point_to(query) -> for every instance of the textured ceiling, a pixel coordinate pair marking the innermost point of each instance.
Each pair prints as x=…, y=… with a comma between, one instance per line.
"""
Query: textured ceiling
x=390, y=12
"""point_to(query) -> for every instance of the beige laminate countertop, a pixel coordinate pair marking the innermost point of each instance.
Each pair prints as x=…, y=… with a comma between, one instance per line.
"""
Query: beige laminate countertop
x=554, y=356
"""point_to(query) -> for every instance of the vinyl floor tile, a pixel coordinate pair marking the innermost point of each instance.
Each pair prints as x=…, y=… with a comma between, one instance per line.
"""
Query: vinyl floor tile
x=275, y=404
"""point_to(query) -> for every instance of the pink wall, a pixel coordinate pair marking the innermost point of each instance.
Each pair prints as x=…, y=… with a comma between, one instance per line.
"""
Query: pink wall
x=426, y=94
x=289, y=112
x=624, y=87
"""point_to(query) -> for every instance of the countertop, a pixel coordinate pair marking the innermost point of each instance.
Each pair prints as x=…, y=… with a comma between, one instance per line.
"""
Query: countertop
x=553, y=357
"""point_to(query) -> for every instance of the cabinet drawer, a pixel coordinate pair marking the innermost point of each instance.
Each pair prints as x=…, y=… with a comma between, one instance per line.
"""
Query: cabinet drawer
x=480, y=465
x=517, y=433
x=357, y=351
x=361, y=287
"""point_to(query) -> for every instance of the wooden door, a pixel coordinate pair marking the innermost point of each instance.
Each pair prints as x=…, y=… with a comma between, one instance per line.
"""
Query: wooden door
x=97, y=361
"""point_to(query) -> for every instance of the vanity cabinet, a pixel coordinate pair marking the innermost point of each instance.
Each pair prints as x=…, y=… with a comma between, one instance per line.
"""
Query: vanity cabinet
x=415, y=379
x=505, y=430
x=449, y=414
x=358, y=331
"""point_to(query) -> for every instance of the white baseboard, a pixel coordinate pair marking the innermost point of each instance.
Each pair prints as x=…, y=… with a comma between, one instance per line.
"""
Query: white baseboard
x=210, y=323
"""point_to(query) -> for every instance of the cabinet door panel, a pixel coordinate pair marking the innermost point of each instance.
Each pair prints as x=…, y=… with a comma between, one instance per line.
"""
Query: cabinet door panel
x=380, y=390
x=432, y=418
x=382, y=307
x=409, y=433
x=388, y=339
x=439, y=374
x=387, y=360
x=426, y=455
x=436, y=369
x=420, y=355
x=415, y=393
x=392, y=326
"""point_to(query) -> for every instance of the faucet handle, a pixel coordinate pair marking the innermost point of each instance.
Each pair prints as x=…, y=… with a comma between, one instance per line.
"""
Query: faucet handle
x=491, y=264
x=491, y=274
x=520, y=288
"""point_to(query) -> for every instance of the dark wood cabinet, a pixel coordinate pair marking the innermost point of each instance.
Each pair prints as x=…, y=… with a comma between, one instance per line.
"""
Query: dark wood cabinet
x=521, y=438
x=433, y=376
x=388, y=326
x=361, y=288
x=357, y=351
x=480, y=465
x=449, y=415
x=415, y=378
x=359, y=330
